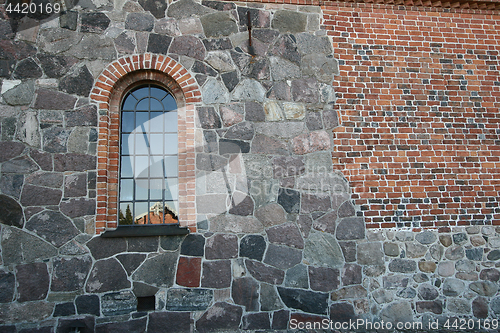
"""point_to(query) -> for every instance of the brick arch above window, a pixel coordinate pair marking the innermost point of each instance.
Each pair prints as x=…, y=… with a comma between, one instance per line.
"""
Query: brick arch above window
x=110, y=87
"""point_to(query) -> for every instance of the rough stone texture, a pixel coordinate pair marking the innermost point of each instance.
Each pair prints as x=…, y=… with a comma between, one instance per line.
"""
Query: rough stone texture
x=119, y=303
x=351, y=228
x=307, y=301
x=253, y=247
x=88, y=304
x=265, y=273
x=321, y=249
x=189, y=299
x=245, y=292
x=370, y=254
x=158, y=270
x=107, y=275
x=53, y=100
x=11, y=212
x=323, y=278
x=216, y=274
x=282, y=257
x=221, y=246
x=70, y=274
x=52, y=226
x=32, y=282
x=286, y=234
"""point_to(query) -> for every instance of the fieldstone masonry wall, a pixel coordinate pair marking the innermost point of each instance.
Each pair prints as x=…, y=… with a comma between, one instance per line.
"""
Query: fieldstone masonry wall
x=278, y=237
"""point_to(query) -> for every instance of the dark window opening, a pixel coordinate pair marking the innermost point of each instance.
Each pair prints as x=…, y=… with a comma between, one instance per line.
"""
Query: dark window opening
x=146, y=303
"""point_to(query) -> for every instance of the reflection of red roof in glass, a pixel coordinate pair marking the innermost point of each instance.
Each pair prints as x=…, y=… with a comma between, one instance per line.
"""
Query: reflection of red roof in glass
x=154, y=218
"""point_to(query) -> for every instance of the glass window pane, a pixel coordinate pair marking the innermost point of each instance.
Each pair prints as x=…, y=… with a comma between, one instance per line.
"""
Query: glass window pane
x=156, y=168
x=173, y=208
x=127, y=144
x=155, y=105
x=169, y=103
x=141, y=189
x=141, y=213
x=126, y=213
x=126, y=166
x=156, y=123
x=129, y=103
x=141, y=169
x=170, y=121
x=127, y=122
x=171, y=185
x=171, y=166
x=143, y=105
x=171, y=144
x=141, y=93
x=156, y=189
x=141, y=143
x=158, y=93
x=142, y=121
x=156, y=144
x=127, y=190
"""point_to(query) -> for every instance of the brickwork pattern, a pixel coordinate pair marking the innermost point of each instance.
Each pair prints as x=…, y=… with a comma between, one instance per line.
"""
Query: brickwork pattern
x=418, y=93
x=108, y=91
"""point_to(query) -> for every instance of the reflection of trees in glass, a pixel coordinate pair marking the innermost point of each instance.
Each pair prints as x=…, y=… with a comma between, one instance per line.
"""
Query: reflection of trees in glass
x=127, y=220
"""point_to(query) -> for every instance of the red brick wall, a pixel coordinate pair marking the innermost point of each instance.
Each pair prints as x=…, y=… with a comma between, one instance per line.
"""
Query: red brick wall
x=419, y=97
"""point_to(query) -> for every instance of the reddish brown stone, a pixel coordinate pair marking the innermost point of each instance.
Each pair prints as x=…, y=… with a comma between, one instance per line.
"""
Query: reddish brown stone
x=189, y=272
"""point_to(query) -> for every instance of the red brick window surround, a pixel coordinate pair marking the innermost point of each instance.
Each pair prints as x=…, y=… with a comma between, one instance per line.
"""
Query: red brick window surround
x=109, y=89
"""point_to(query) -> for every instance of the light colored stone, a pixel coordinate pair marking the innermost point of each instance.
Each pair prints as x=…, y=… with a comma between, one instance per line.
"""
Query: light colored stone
x=235, y=224
x=322, y=250
x=446, y=268
x=370, y=254
x=220, y=60
x=249, y=90
x=294, y=111
x=280, y=129
x=397, y=312
x=190, y=26
x=273, y=111
x=309, y=143
x=214, y=92
x=28, y=129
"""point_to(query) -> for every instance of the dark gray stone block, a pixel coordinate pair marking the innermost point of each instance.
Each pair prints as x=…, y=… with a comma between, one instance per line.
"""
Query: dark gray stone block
x=349, y=250
x=346, y=210
x=119, y=303
x=140, y=22
x=323, y=278
x=107, y=275
x=138, y=325
x=351, y=228
x=169, y=322
x=159, y=43
x=351, y=274
x=218, y=24
x=32, y=282
x=142, y=244
x=220, y=317
x=263, y=144
x=289, y=199
x=53, y=100
x=286, y=234
x=158, y=270
x=9, y=150
x=11, y=212
x=187, y=8
x=85, y=324
x=257, y=321
x=286, y=47
x=157, y=8
x=75, y=185
x=27, y=69
x=19, y=165
x=55, y=139
x=460, y=238
x=189, y=299
x=265, y=273
x=407, y=292
x=402, y=266
x=88, y=304
x=490, y=274
x=221, y=246
x=70, y=274
x=94, y=22
x=342, y=312
x=64, y=310
x=55, y=66
x=215, y=44
x=20, y=95
x=171, y=243
x=315, y=202
x=131, y=261
x=253, y=247
x=435, y=307
x=7, y=287
x=69, y=20
x=474, y=254
x=254, y=112
x=327, y=223
x=307, y=301
x=494, y=255
x=216, y=274
x=269, y=299
x=78, y=207
x=101, y=248
x=209, y=118
x=189, y=46
x=428, y=292
x=52, y=226
x=227, y=146
x=79, y=82
x=297, y=277
x=245, y=292
x=230, y=80
x=74, y=162
x=20, y=246
x=289, y=21
x=282, y=257
x=193, y=245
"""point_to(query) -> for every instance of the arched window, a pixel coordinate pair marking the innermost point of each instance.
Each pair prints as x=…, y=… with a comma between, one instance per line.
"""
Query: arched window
x=148, y=175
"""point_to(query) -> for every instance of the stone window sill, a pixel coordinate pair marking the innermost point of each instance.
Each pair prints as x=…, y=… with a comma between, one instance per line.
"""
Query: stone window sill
x=146, y=230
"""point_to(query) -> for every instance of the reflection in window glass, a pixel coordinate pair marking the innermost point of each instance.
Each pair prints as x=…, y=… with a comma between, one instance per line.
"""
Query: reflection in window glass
x=148, y=164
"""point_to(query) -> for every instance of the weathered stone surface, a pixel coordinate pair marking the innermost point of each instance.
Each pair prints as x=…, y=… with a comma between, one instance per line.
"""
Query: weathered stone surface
x=490, y=274
x=458, y=305
x=159, y=43
x=11, y=212
x=7, y=287
x=391, y=249
x=316, y=202
x=9, y=150
x=216, y=274
x=218, y=24
x=40, y=196
x=78, y=82
x=142, y=244
x=322, y=250
x=397, y=312
x=351, y=228
x=243, y=131
x=88, y=304
x=186, y=8
x=74, y=162
x=27, y=69
x=236, y=224
x=474, y=254
x=19, y=246
x=245, y=292
x=480, y=308
x=494, y=255
x=21, y=94
x=210, y=162
x=297, y=277
x=415, y=250
x=140, y=22
x=125, y=43
x=138, y=325
x=53, y=100
x=158, y=270
x=190, y=46
x=495, y=305
x=233, y=147
x=64, y=310
x=31, y=312
x=324, y=278
x=78, y=207
x=289, y=199
x=75, y=185
x=289, y=21
x=484, y=288
x=208, y=117
x=455, y=252
x=93, y=47
x=288, y=166
x=282, y=69
x=383, y=296
x=445, y=240
x=282, y=257
x=460, y=238
x=307, y=301
x=188, y=272
x=309, y=143
x=189, y=299
x=221, y=246
x=193, y=245
x=253, y=247
x=402, y=266
x=271, y=214
x=157, y=8
x=346, y=210
x=326, y=223
x=32, y=282
x=19, y=165
x=426, y=237
x=370, y=254
x=177, y=322
x=264, y=273
x=249, y=90
x=349, y=251
x=286, y=234
x=221, y=316
x=395, y=281
x=349, y=292
x=256, y=321
x=429, y=306
x=94, y=22
x=351, y=274
x=107, y=275
x=427, y=292
x=270, y=300
x=319, y=66
x=106, y=247
x=55, y=139
x=118, y=303
x=70, y=274
x=427, y=266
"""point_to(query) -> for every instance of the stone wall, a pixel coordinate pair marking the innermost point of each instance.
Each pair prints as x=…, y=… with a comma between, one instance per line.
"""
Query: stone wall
x=278, y=237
